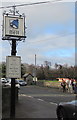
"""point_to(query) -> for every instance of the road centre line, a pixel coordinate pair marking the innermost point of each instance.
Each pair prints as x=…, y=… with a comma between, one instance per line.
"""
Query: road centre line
x=40, y=99
x=22, y=95
x=30, y=96
x=49, y=102
x=37, y=99
x=53, y=103
x=25, y=95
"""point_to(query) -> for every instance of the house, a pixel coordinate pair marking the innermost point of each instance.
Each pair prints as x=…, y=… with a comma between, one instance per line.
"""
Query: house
x=28, y=77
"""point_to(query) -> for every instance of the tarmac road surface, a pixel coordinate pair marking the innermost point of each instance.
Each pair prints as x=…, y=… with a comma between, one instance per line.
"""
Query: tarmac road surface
x=34, y=108
x=40, y=102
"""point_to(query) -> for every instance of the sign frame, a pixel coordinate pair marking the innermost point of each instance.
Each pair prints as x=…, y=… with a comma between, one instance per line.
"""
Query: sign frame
x=13, y=27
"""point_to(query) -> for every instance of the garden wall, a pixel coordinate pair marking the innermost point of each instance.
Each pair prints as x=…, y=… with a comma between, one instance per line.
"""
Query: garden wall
x=48, y=84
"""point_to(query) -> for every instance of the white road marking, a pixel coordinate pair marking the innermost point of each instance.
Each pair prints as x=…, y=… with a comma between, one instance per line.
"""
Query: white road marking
x=53, y=103
x=30, y=96
x=22, y=95
x=25, y=95
x=40, y=99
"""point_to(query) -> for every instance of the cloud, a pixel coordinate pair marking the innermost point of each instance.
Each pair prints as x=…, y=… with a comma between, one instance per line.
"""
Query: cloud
x=55, y=50
x=50, y=33
x=40, y=19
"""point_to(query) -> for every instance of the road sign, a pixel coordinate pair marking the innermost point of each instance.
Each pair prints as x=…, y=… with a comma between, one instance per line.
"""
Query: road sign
x=13, y=67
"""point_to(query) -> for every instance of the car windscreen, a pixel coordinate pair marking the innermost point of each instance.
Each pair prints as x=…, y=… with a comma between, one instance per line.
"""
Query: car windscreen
x=21, y=81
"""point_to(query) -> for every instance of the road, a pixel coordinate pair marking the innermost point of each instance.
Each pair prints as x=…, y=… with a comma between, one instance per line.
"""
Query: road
x=40, y=102
x=47, y=94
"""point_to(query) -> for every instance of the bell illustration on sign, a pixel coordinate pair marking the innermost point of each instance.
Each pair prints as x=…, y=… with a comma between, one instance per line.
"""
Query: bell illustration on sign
x=14, y=23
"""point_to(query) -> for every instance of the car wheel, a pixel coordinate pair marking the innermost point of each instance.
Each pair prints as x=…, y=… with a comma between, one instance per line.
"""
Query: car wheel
x=61, y=114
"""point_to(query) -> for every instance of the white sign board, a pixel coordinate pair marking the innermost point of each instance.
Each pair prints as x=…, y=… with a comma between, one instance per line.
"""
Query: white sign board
x=13, y=67
x=13, y=26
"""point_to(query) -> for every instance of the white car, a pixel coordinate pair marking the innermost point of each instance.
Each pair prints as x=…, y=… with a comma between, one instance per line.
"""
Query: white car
x=22, y=82
x=3, y=80
x=9, y=83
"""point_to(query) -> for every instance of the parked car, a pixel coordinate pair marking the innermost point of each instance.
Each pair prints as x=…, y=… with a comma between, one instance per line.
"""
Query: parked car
x=9, y=83
x=67, y=110
x=22, y=82
x=3, y=80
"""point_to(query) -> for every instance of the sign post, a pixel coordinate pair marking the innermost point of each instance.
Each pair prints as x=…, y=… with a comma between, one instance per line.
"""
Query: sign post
x=13, y=52
x=12, y=111
x=14, y=30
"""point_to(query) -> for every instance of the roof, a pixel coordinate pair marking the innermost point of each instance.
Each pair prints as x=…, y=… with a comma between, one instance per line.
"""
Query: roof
x=27, y=74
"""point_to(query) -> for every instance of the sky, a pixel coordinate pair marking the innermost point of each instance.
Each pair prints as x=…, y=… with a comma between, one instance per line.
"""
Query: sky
x=50, y=32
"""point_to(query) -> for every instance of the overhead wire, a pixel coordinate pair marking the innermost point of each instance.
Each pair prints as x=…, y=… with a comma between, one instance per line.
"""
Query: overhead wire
x=62, y=35
x=27, y=4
